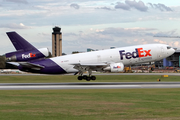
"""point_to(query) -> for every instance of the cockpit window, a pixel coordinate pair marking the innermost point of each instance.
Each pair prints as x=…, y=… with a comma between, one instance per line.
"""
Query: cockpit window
x=168, y=47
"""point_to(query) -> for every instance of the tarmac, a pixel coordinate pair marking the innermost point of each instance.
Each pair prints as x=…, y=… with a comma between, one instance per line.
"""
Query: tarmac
x=93, y=85
x=173, y=74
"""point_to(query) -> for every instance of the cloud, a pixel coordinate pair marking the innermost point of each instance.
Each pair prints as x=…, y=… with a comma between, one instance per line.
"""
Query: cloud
x=17, y=1
x=160, y=41
x=172, y=43
x=44, y=34
x=160, y=6
x=167, y=33
x=122, y=6
x=75, y=6
x=137, y=5
x=176, y=43
x=124, y=32
x=14, y=26
x=105, y=8
x=167, y=38
x=131, y=4
x=70, y=34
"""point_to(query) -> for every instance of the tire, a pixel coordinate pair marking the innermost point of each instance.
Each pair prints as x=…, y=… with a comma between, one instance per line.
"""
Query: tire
x=84, y=77
x=80, y=77
x=88, y=78
x=93, y=77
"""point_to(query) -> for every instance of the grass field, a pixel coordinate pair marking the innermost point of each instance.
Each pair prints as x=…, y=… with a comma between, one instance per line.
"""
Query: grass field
x=118, y=104
x=97, y=104
x=71, y=78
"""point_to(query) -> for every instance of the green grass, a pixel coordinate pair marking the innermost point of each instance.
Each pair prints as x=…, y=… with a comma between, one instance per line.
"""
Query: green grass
x=125, y=104
x=100, y=104
x=71, y=78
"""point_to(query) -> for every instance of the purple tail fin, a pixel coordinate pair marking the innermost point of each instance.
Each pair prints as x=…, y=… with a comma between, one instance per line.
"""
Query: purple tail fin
x=19, y=42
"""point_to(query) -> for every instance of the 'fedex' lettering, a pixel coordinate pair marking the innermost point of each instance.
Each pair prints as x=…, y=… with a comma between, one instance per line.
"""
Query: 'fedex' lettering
x=30, y=55
x=139, y=52
x=116, y=67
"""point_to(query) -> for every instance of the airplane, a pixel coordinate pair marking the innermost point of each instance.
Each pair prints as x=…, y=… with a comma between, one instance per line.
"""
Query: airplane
x=29, y=59
x=7, y=71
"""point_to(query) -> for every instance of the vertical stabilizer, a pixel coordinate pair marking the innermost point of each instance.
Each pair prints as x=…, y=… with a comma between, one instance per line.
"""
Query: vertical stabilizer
x=19, y=42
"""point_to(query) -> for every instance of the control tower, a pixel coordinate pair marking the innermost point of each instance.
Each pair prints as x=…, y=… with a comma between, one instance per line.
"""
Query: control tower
x=56, y=42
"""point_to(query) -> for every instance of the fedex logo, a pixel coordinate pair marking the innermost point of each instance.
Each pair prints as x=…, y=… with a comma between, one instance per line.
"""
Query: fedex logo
x=30, y=55
x=138, y=53
x=116, y=67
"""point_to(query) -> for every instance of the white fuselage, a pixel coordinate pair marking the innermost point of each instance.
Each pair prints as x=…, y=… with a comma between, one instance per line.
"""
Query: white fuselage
x=126, y=55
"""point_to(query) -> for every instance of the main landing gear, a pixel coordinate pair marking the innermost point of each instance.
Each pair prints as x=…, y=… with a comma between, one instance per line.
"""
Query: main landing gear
x=85, y=77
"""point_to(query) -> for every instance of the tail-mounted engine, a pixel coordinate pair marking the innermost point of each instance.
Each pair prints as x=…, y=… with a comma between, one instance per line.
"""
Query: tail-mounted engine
x=18, y=56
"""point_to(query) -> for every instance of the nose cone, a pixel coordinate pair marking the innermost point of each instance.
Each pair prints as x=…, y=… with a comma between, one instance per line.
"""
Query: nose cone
x=172, y=51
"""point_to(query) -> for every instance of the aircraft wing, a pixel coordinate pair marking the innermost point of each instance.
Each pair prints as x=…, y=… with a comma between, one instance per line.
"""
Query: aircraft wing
x=89, y=66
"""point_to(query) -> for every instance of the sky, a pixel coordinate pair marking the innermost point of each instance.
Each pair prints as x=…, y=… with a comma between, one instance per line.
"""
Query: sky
x=96, y=24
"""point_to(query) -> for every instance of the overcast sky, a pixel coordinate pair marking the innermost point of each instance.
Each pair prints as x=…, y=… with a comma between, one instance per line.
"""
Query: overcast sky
x=96, y=24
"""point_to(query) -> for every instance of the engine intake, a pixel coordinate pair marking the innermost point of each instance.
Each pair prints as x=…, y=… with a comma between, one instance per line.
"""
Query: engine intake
x=115, y=67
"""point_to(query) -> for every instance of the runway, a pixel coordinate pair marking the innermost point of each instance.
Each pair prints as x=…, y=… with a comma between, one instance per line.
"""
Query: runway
x=172, y=74
x=93, y=85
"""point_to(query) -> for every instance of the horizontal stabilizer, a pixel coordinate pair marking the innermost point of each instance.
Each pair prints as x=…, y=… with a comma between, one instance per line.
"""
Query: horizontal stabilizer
x=31, y=65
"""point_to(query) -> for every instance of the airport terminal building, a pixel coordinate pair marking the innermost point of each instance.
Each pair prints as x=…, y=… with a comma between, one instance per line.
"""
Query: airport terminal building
x=171, y=61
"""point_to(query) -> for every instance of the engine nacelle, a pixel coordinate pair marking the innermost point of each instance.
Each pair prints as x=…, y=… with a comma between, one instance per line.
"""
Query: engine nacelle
x=27, y=55
x=115, y=67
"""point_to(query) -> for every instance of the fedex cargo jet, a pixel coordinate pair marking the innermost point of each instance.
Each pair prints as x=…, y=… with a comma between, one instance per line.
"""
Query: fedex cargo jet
x=28, y=58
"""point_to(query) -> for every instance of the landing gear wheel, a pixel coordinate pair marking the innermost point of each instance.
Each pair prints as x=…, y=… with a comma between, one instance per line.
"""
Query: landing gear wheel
x=93, y=77
x=88, y=78
x=80, y=77
x=84, y=77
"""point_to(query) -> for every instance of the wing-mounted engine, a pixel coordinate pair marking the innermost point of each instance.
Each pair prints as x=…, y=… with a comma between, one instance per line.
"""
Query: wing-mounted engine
x=114, y=67
x=19, y=56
